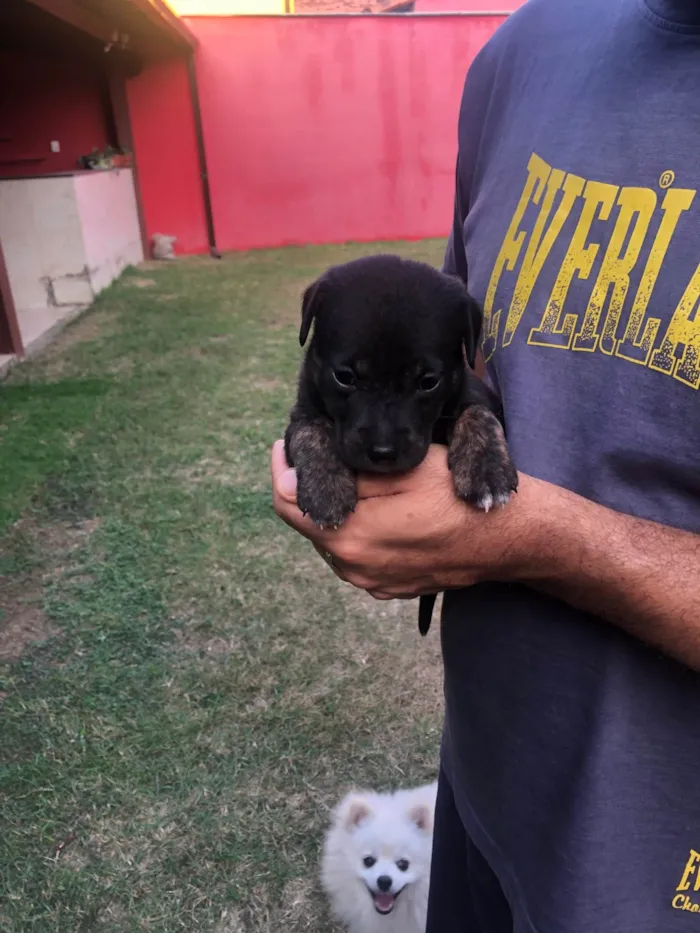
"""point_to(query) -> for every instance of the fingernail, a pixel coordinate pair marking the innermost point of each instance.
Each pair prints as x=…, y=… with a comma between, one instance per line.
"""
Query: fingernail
x=287, y=483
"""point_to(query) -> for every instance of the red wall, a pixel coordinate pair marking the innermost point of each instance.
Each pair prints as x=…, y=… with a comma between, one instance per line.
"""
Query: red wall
x=48, y=99
x=165, y=148
x=332, y=129
x=465, y=6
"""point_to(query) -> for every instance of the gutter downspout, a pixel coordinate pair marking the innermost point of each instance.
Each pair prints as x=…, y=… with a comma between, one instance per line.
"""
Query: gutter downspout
x=202, y=156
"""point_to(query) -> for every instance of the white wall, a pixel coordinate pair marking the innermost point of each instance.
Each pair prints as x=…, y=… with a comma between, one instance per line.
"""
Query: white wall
x=41, y=238
x=65, y=238
x=110, y=225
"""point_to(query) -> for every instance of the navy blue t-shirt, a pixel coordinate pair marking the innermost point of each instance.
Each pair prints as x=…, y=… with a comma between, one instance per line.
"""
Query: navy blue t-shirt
x=572, y=748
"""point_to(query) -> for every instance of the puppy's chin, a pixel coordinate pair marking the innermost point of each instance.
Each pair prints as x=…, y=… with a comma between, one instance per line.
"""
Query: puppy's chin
x=369, y=467
x=361, y=463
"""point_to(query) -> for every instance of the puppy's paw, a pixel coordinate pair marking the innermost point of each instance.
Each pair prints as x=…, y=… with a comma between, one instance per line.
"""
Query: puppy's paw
x=482, y=471
x=326, y=497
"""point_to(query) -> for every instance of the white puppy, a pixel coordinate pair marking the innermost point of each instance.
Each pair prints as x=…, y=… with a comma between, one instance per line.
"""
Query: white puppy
x=376, y=860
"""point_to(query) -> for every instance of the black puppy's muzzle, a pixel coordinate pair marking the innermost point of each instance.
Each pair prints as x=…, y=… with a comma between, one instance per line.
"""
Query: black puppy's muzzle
x=383, y=454
x=380, y=439
x=395, y=453
x=386, y=458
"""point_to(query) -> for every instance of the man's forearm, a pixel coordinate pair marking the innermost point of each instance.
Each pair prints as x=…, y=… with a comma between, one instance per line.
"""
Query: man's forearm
x=641, y=576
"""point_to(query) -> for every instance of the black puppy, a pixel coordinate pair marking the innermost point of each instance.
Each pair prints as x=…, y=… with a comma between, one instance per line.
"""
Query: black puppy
x=387, y=372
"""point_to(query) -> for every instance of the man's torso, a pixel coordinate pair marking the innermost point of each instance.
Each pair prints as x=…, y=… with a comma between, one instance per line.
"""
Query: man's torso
x=574, y=749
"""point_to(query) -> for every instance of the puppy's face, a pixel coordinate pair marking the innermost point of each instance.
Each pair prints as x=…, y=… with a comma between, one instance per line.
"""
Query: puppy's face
x=386, y=846
x=387, y=356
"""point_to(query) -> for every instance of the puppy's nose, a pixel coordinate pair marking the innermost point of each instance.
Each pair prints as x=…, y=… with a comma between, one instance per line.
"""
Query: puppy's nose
x=384, y=883
x=383, y=453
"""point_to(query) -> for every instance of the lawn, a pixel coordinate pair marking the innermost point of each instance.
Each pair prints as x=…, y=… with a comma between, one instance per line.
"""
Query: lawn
x=185, y=688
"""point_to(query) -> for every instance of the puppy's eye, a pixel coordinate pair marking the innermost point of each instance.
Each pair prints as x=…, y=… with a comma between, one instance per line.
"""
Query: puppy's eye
x=428, y=382
x=345, y=378
x=402, y=864
x=368, y=861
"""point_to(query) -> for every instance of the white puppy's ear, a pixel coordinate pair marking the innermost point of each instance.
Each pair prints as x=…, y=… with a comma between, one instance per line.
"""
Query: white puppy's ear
x=353, y=811
x=422, y=815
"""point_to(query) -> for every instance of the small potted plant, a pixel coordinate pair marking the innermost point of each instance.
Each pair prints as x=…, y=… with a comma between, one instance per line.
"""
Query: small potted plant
x=110, y=157
x=121, y=157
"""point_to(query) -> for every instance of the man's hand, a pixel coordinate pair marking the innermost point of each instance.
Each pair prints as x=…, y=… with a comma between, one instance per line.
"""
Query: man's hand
x=410, y=534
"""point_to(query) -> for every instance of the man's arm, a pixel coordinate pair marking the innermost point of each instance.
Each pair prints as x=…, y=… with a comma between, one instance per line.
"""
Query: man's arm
x=641, y=576
x=409, y=535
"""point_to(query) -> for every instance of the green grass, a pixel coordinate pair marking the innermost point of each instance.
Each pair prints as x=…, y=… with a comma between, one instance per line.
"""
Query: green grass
x=184, y=686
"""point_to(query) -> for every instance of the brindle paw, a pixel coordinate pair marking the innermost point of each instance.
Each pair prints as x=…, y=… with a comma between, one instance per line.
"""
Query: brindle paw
x=326, y=498
x=482, y=471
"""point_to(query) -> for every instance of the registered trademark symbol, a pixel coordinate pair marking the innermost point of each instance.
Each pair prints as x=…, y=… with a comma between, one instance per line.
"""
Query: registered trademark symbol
x=667, y=178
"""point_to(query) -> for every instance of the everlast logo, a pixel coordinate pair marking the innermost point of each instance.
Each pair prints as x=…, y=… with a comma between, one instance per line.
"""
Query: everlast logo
x=616, y=322
x=690, y=880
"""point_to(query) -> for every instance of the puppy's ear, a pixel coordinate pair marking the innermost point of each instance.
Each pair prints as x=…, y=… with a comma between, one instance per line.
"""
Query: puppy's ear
x=354, y=810
x=472, y=316
x=310, y=304
x=422, y=815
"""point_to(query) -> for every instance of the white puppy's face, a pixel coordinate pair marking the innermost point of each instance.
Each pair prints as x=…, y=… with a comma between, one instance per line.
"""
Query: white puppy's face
x=387, y=845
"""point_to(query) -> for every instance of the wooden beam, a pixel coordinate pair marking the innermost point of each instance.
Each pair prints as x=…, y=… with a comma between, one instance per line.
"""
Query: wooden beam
x=80, y=18
x=153, y=31
x=27, y=27
x=10, y=336
x=164, y=19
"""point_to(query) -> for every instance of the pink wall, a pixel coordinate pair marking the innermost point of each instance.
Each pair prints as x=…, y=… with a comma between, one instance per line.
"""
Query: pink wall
x=44, y=99
x=331, y=129
x=165, y=147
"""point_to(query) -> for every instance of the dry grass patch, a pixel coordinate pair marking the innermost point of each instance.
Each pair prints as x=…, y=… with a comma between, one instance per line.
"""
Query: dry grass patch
x=23, y=621
x=22, y=624
x=136, y=281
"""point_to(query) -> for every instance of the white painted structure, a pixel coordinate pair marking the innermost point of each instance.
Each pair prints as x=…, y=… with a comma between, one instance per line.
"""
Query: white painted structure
x=65, y=238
